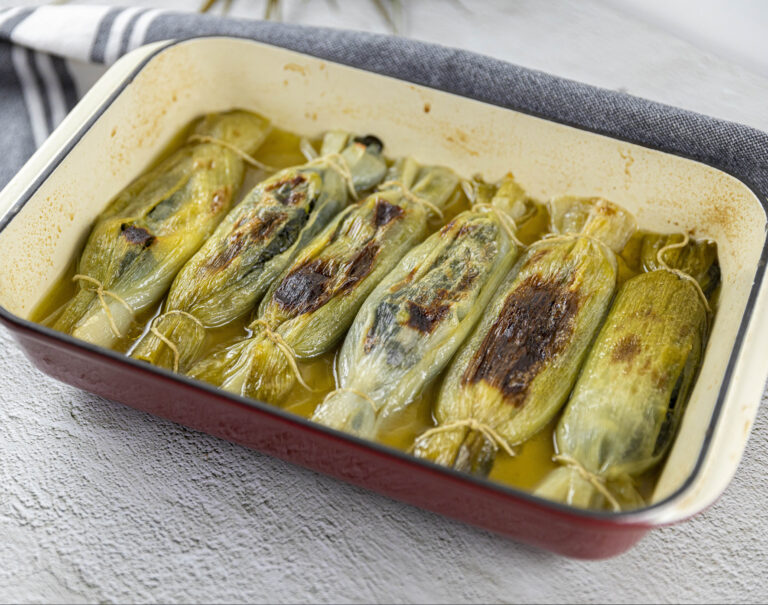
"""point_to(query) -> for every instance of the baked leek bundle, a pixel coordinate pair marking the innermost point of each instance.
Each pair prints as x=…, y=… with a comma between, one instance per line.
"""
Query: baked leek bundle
x=516, y=370
x=409, y=328
x=256, y=241
x=625, y=408
x=308, y=310
x=156, y=224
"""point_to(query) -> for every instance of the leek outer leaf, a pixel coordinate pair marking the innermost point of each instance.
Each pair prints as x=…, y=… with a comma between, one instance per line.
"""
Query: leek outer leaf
x=414, y=321
x=516, y=370
x=316, y=299
x=628, y=401
x=156, y=224
x=255, y=242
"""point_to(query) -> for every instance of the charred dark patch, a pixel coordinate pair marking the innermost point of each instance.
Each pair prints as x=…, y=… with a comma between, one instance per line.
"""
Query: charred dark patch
x=360, y=266
x=287, y=183
x=226, y=256
x=424, y=319
x=447, y=227
x=265, y=227
x=311, y=285
x=306, y=288
x=535, y=324
x=372, y=142
x=296, y=198
x=386, y=212
x=467, y=279
x=467, y=229
x=405, y=281
x=137, y=235
x=425, y=315
x=257, y=231
x=287, y=192
x=626, y=349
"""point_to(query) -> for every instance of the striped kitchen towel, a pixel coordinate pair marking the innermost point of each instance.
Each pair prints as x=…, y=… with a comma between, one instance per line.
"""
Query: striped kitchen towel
x=51, y=55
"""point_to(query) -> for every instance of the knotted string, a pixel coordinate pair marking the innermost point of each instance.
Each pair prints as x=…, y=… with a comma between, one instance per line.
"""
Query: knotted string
x=682, y=274
x=248, y=159
x=507, y=222
x=597, y=482
x=411, y=196
x=101, y=293
x=284, y=348
x=488, y=432
x=556, y=237
x=339, y=164
x=334, y=160
x=168, y=342
x=356, y=392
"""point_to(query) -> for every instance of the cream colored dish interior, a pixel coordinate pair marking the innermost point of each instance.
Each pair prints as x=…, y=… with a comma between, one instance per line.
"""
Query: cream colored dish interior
x=306, y=95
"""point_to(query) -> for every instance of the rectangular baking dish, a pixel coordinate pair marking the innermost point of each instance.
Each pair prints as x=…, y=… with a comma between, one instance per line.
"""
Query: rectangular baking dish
x=148, y=96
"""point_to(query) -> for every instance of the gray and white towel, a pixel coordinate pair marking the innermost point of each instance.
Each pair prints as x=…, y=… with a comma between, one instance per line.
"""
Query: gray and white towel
x=49, y=56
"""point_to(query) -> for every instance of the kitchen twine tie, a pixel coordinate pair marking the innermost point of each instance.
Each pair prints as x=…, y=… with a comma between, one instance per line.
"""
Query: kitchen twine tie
x=682, y=274
x=488, y=432
x=507, y=222
x=356, y=392
x=557, y=237
x=284, y=348
x=248, y=159
x=101, y=293
x=168, y=342
x=335, y=160
x=411, y=196
x=597, y=482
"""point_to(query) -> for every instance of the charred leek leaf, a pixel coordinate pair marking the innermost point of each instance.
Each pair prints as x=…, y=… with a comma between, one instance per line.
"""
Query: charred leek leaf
x=516, y=370
x=156, y=224
x=308, y=310
x=627, y=403
x=413, y=322
x=255, y=242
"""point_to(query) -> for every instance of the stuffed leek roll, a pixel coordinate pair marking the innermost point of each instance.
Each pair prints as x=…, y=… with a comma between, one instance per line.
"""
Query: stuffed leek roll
x=516, y=370
x=409, y=328
x=156, y=224
x=625, y=408
x=309, y=309
x=255, y=242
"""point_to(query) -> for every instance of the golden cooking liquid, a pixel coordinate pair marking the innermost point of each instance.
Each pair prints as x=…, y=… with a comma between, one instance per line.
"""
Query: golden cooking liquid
x=533, y=459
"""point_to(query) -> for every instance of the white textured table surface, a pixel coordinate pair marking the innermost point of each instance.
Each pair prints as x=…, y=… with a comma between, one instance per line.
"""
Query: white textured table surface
x=103, y=503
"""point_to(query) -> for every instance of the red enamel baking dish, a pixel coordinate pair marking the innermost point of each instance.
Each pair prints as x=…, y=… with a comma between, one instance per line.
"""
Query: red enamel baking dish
x=148, y=96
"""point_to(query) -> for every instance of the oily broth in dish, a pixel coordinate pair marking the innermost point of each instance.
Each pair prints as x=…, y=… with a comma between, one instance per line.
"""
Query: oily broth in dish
x=411, y=419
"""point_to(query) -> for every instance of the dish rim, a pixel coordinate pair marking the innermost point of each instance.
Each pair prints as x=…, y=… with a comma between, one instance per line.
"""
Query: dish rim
x=640, y=517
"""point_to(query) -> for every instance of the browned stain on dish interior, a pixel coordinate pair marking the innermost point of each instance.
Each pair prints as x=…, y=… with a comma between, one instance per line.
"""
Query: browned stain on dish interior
x=296, y=67
x=281, y=149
